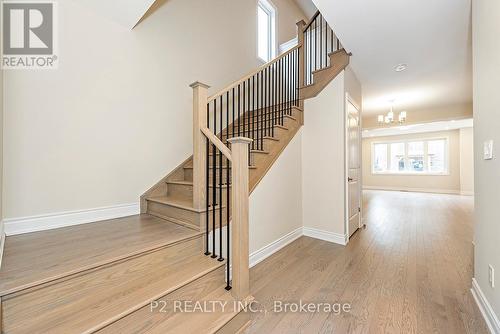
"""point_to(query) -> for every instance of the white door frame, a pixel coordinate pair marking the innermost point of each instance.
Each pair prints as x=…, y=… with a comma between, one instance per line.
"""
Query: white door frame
x=349, y=99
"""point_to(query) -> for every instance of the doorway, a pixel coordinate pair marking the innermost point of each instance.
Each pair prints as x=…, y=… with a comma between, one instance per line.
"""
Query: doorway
x=353, y=159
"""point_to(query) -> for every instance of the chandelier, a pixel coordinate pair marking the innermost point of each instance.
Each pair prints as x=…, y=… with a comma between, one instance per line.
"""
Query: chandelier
x=389, y=118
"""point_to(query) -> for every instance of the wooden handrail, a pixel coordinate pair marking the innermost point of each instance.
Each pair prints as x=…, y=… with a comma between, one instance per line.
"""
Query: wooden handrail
x=311, y=20
x=246, y=77
x=217, y=142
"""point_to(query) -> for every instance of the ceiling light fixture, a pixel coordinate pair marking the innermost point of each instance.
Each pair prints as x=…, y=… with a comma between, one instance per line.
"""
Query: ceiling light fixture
x=389, y=118
x=400, y=67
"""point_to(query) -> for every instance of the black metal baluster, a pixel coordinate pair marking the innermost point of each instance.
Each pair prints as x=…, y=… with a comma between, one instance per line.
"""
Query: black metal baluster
x=266, y=126
x=228, y=234
x=255, y=132
x=214, y=180
x=220, y=188
x=207, y=184
x=250, y=134
x=258, y=108
x=273, y=100
x=233, y=115
x=244, y=111
x=261, y=107
x=320, y=41
x=239, y=118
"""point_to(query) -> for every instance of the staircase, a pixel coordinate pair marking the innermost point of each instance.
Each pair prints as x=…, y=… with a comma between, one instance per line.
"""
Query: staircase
x=200, y=208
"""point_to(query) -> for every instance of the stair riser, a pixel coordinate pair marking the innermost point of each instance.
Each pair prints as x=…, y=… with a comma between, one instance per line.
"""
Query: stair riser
x=179, y=215
x=181, y=191
x=186, y=217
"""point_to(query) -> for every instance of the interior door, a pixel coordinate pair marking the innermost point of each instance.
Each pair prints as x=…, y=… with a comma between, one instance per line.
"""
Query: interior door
x=353, y=168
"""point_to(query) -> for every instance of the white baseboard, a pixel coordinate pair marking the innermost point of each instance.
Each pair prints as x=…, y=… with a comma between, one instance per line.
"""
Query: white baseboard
x=337, y=238
x=467, y=193
x=2, y=241
x=266, y=251
x=416, y=190
x=15, y=226
x=486, y=310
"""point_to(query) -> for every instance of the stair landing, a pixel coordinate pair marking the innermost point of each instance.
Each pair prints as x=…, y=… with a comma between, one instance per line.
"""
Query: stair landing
x=36, y=258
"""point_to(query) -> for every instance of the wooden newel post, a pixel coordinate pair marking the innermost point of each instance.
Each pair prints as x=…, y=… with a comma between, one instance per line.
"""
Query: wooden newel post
x=200, y=99
x=302, y=57
x=240, y=200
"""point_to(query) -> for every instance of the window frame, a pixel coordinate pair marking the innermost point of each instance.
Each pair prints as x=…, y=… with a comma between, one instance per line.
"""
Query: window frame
x=426, y=172
x=270, y=9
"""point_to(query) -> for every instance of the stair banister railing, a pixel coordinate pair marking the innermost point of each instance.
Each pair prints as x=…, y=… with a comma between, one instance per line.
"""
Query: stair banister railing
x=237, y=156
x=227, y=127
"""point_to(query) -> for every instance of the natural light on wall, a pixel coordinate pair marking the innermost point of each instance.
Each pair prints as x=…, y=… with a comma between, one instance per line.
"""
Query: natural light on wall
x=411, y=157
x=266, y=30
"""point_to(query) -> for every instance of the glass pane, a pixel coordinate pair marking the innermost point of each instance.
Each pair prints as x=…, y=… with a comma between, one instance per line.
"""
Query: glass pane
x=263, y=20
x=397, y=157
x=416, y=156
x=380, y=158
x=436, y=151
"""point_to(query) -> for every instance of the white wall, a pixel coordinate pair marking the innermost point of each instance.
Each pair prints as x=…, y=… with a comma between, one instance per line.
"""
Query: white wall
x=2, y=229
x=276, y=204
x=323, y=162
x=486, y=67
x=467, y=161
x=117, y=115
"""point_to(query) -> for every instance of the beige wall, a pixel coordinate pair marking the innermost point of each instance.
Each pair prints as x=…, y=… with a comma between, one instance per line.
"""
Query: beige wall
x=467, y=161
x=443, y=113
x=276, y=204
x=323, y=178
x=288, y=15
x=2, y=230
x=446, y=183
x=486, y=63
x=117, y=114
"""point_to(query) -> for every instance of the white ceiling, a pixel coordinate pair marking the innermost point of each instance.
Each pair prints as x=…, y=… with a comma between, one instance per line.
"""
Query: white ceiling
x=419, y=128
x=432, y=36
x=307, y=7
x=124, y=12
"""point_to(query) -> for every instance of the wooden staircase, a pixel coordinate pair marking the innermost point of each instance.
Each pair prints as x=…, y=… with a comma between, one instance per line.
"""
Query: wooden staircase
x=123, y=276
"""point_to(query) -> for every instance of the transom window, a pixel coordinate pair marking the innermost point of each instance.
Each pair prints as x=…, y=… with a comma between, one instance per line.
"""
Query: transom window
x=428, y=156
x=266, y=30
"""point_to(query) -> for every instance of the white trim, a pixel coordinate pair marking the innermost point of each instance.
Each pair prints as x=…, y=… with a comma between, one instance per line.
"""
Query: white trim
x=266, y=251
x=406, y=141
x=2, y=241
x=15, y=226
x=484, y=306
x=288, y=45
x=270, y=9
x=439, y=126
x=466, y=193
x=416, y=190
x=337, y=238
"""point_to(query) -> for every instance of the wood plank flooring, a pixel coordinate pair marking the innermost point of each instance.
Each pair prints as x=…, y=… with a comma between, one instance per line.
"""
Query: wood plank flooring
x=35, y=258
x=408, y=271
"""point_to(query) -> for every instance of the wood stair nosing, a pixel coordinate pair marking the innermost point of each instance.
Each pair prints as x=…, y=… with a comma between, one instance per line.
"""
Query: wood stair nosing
x=206, y=288
x=90, y=302
x=89, y=268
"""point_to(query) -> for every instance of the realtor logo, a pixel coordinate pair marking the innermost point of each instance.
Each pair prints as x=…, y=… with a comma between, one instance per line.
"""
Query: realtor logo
x=28, y=35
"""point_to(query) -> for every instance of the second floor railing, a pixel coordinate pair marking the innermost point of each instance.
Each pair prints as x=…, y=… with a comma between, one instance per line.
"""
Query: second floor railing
x=319, y=41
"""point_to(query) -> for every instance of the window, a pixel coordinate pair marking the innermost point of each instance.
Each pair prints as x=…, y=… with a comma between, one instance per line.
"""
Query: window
x=266, y=30
x=415, y=157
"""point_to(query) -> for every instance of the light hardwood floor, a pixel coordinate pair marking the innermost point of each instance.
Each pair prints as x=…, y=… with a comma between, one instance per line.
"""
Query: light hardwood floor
x=35, y=258
x=408, y=271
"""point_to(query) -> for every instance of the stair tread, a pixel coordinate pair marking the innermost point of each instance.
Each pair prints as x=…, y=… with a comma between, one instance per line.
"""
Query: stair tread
x=207, y=288
x=92, y=301
x=36, y=258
